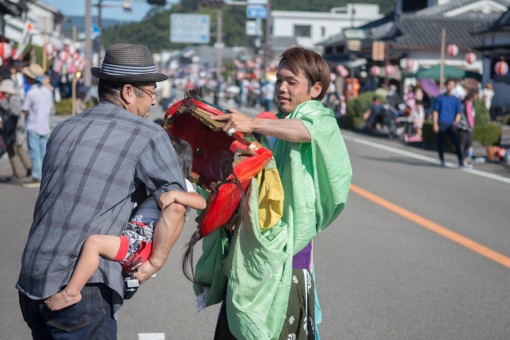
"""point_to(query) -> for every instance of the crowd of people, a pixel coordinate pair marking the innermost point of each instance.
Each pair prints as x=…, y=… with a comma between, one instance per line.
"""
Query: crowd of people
x=25, y=106
x=88, y=235
x=452, y=113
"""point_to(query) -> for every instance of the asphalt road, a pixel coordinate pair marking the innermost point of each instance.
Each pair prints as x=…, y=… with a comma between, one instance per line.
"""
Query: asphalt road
x=420, y=252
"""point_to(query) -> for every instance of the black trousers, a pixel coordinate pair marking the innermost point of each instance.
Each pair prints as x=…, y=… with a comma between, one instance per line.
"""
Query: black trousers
x=452, y=134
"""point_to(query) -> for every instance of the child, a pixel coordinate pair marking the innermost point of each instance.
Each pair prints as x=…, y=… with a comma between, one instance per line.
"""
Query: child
x=134, y=245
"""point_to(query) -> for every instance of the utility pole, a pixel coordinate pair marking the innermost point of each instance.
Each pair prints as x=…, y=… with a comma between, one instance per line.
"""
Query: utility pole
x=267, y=47
x=219, y=44
x=88, y=42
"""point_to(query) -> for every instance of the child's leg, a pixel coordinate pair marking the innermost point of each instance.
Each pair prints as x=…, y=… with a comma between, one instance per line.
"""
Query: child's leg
x=106, y=246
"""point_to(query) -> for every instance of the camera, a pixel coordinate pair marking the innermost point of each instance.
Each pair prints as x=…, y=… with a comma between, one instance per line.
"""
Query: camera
x=131, y=285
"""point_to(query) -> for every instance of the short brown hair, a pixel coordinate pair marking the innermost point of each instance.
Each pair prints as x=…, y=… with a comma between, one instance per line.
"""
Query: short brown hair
x=311, y=64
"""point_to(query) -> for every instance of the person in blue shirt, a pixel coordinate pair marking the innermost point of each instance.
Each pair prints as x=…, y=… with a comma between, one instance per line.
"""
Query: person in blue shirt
x=446, y=116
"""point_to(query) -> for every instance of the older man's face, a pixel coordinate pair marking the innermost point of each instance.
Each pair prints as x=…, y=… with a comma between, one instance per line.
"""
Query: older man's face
x=143, y=103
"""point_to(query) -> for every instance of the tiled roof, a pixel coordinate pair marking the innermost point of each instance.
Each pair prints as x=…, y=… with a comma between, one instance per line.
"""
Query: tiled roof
x=503, y=23
x=440, y=10
x=413, y=31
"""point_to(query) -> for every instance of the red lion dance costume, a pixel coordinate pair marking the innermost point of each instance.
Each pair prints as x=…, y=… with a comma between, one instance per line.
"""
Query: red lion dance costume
x=223, y=165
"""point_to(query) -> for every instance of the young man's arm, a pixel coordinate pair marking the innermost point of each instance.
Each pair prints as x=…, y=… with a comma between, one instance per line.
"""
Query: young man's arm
x=435, y=115
x=292, y=130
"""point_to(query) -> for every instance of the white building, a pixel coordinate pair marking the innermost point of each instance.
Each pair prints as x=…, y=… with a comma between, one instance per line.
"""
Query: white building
x=46, y=23
x=309, y=28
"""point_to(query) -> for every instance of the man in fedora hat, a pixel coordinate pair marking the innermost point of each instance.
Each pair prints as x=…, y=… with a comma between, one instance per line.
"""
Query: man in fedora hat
x=37, y=106
x=98, y=163
x=14, y=130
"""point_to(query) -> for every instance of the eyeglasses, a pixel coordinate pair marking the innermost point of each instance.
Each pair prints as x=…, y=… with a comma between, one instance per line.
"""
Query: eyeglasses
x=153, y=95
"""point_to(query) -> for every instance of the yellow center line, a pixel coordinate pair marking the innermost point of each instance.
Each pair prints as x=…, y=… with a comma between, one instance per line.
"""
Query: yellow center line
x=434, y=227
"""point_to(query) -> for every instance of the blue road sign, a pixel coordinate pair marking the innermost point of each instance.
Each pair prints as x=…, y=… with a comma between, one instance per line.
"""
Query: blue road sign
x=256, y=11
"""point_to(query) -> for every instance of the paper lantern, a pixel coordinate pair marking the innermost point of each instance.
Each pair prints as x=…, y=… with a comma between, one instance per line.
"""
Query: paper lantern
x=470, y=58
x=453, y=50
x=342, y=71
x=375, y=71
x=390, y=70
x=501, y=68
x=5, y=50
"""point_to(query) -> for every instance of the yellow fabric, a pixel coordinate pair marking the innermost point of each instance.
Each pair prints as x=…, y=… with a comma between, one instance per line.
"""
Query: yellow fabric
x=270, y=198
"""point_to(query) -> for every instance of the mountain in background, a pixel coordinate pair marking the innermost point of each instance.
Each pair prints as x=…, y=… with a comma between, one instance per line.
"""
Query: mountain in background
x=79, y=22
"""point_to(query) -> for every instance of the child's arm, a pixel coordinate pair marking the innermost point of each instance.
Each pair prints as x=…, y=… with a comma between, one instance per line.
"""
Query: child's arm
x=188, y=199
x=166, y=233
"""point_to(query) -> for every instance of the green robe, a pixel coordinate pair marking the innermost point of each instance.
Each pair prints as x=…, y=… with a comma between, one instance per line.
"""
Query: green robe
x=255, y=267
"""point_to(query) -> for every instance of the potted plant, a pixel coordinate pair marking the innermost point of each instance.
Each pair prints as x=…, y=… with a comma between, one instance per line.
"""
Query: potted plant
x=489, y=135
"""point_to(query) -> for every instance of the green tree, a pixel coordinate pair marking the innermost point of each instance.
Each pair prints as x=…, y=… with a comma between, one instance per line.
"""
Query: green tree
x=154, y=29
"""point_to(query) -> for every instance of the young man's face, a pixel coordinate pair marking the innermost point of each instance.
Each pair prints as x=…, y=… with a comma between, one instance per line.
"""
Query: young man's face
x=292, y=89
x=450, y=86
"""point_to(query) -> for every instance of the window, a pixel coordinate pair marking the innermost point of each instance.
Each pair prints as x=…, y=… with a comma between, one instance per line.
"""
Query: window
x=323, y=31
x=302, y=31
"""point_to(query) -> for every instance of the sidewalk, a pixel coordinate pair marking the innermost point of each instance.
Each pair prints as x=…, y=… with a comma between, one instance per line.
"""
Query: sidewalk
x=156, y=112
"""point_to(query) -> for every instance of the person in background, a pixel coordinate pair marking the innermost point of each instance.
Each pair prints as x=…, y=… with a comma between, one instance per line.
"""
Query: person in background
x=465, y=127
x=18, y=80
x=374, y=113
x=419, y=117
x=14, y=130
x=268, y=94
x=446, y=116
x=98, y=164
x=37, y=106
x=487, y=95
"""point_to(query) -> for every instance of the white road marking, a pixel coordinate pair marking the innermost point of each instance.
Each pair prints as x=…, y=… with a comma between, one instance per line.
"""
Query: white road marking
x=426, y=158
x=151, y=336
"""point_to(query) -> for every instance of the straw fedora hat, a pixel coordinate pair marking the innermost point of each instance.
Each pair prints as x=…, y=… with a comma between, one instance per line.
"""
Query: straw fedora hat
x=7, y=86
x=33, y=71
x=128, y=63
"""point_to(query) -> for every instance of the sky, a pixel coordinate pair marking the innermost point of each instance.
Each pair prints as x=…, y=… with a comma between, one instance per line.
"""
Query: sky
x=112, y=9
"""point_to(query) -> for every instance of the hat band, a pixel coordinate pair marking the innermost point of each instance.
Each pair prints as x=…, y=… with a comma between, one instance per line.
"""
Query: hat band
x=120, y=70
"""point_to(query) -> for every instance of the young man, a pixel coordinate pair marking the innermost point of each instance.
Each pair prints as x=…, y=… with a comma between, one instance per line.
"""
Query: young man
x=315, y=172
x=96, y=166
x=446, y=116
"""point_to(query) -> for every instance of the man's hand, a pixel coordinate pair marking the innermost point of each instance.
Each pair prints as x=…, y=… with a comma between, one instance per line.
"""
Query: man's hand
x=236, y=120
x=145, y=272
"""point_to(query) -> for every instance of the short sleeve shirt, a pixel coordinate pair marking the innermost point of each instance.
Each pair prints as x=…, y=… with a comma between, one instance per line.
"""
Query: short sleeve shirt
x=38, y=103
x=447, y=108
x=96, y=164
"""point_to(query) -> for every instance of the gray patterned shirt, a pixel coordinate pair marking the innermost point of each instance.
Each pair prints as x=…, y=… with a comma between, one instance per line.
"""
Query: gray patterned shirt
x=96, y=164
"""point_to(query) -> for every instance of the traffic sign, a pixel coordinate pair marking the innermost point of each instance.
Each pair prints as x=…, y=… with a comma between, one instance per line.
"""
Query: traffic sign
x=256, y=12
x=189, y=28
x=253, y=27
